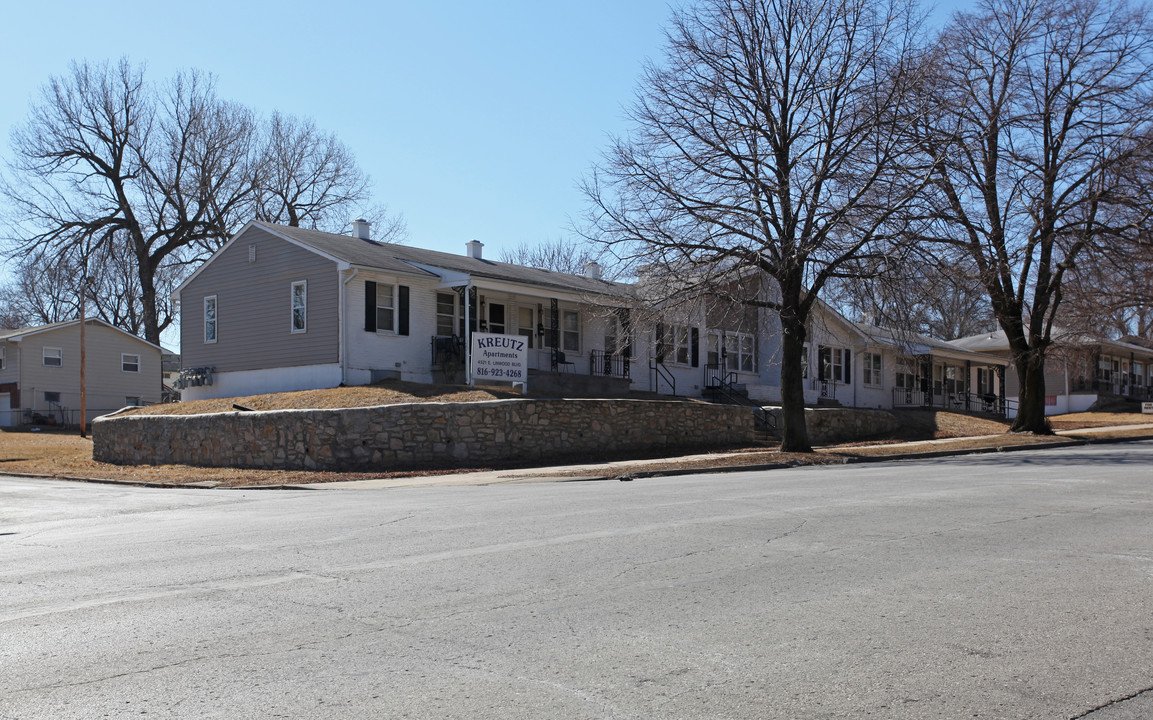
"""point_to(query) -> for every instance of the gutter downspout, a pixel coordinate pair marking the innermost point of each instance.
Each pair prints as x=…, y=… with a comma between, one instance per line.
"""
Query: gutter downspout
x=468, y=333
x=342, y=339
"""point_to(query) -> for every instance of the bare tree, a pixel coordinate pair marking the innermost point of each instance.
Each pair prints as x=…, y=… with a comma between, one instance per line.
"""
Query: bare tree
x=560, y=255
x=921, y=294
x=1038, y=109
x=137, y=183
x=106, y=158
x=766, y=144
x=42, y=291
x=311, y=179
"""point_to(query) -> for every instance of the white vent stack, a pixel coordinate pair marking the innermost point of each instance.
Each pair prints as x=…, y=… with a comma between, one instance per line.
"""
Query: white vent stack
x=472, y=248
x=593, y=270
x=362, y=229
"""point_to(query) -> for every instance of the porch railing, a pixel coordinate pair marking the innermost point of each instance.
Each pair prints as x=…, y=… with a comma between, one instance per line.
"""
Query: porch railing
x=606, y=364
x=826, y=388
x=658, y=372
x=1113, y=387
x=447, y=351
x=721, y=387
x=967, y=401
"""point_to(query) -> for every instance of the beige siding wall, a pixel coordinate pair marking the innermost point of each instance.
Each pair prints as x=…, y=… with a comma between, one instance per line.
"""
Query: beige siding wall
x=11, y=352
x=107, y=385
x=254, y=308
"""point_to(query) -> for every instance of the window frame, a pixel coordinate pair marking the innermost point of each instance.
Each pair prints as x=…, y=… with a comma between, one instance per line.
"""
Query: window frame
x=682, y=342
x=872, y=367
x=59, y=357
x=451, y=317
x=52, y=392
x=293, y=329
x=740, y=352
x=214, y=323
x=3, y=358
x=128, y=401
x=567, y=334
x=124, y=363
x=391, y=308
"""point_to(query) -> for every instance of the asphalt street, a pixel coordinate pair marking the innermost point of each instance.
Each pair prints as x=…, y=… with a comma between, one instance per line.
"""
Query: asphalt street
x=1016, y=585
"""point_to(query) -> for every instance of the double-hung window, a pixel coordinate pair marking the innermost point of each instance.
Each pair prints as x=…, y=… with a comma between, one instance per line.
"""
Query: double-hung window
x=210, y=319
x=740, y=349
x=906, y=375
x=571, y=331
x=834, y=364
x=129, y=363
x=682, y=344
x=53, y=357
x=385, y=308
x=300, y=306
x=872, y=369
x=2, y=359
x=445, y=313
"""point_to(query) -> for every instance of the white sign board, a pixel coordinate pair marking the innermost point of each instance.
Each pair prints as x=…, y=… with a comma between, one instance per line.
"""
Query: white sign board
x=499, y=357
x=1147, y=408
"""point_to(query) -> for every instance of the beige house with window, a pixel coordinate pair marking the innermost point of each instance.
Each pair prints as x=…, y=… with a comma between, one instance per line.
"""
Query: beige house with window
x=40, y=372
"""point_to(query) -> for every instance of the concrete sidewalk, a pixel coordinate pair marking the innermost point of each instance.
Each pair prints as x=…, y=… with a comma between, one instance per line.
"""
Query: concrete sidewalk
x=611, y=470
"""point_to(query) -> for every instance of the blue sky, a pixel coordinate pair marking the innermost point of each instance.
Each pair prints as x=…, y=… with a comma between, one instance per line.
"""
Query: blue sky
x=475, y=120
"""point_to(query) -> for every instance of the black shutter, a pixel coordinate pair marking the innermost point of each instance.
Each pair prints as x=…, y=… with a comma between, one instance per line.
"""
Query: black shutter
x=369, y=306
x=660, y=342
x=402, y=302
x=695, y=339
x=848, y=371
x=472, y=318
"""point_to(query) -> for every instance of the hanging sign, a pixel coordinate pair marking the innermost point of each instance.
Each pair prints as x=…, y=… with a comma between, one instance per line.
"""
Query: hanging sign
x=499, y=357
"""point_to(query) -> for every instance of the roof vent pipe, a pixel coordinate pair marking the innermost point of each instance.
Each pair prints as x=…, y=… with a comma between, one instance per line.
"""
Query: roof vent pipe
x=362, y=229
x=593, y=270
x=472, y=248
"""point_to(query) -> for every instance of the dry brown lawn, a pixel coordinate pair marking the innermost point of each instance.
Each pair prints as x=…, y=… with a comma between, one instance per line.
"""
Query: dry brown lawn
x=64, y=454
x=383, y=393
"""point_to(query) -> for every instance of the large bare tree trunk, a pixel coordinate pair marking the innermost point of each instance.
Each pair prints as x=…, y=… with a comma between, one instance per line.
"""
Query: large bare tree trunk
x=794, y=431
x=1030, y=418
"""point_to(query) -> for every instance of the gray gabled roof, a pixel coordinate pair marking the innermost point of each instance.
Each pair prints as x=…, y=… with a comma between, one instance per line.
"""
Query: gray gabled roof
x=18, y=335
x=917, y=343
x=406, y=259
x=996, y=342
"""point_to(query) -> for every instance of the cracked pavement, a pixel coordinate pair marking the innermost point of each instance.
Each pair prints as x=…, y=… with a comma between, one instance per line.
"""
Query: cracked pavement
x=988, y=586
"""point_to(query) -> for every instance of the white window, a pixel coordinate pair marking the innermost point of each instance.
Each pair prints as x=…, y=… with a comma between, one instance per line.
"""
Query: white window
x=51, y=397
x=300, y=306
x=385, y=308
x=682, y=344
x=713, y=350
x=446, y=313
x=210, y=319
x=834, y=364
x=571, y=331
x=873, y=369
x=132, y=401
x=739, y=351
x=907, y=375
x=129, y=363
x=53, y=357
x=805, y=362
x=525, y=327
x=2, y=359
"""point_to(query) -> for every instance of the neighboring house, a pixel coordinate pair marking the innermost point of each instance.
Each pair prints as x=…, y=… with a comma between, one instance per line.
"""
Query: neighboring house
x=40, y=372
x=282, y=308
x=170, y=370
x=1079, y=369
x=904, y=369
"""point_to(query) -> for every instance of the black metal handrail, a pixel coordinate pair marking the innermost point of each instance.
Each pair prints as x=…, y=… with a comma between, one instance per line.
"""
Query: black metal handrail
x=722, y=388
x=827, y=388
x=657, y=372
x=447, y=350
x=609, y=364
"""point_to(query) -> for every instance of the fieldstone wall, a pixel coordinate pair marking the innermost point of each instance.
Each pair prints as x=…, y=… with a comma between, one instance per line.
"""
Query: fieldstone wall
x=828, y=426
x=391, y=436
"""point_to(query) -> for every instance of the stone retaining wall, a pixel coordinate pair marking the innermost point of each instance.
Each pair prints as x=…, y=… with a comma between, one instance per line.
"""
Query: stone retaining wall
x=391, y=436
x=828, y=426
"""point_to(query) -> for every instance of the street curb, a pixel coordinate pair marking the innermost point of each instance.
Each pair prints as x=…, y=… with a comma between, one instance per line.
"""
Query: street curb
x=625, y=475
